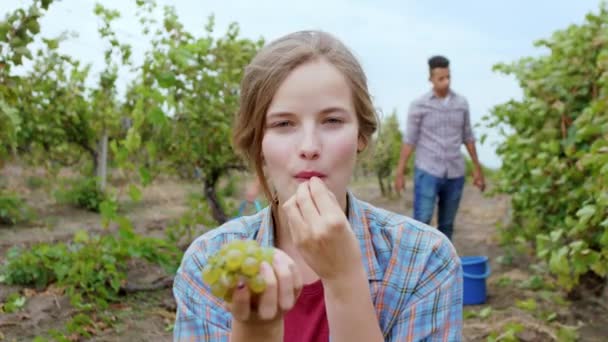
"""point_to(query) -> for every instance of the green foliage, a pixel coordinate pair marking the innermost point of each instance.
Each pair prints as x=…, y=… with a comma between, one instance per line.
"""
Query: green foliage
x=83, y=193
x=34, y=183
x=386, y=152
x=567, y=334
x=84, y=325
x=508, y=333
x=534, y=283
x=60, y=116
x=13, y=303
x=483, y=313
x=176, y=115
x=17, y=30
x=14, y=209
x=57, y=130
x=527, y=305
x=555, y=151
x=79, y=324
x=195, y=84
x=192, y=223
x=92, y=268
x=35, y=267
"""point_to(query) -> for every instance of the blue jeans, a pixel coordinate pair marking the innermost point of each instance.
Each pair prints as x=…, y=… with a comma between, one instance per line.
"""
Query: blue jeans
x=446, y=192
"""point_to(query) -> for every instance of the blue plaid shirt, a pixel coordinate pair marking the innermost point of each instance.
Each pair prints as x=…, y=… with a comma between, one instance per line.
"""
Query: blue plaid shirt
x=415, y=276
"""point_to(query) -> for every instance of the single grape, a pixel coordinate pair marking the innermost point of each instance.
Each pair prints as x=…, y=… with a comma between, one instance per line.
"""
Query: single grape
x=253, y=250
x=234, y=259
x=257, y=284
x=250, y=266
x=210, y=274
x=219, y=290
x=228, y=279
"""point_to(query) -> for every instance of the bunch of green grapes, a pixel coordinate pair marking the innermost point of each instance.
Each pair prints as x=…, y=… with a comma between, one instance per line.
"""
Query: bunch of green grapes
x=238, y=259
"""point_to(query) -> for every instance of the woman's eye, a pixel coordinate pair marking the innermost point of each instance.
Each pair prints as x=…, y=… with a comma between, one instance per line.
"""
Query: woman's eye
x=333, y=120
x=281, y=124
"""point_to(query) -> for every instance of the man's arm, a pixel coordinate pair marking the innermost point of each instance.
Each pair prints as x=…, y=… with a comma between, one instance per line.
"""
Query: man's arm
x=469, y=142
x=473, y=154
x=406, y=151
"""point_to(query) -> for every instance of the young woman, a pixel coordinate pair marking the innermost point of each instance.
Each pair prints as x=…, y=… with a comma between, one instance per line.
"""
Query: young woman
x=344, y=270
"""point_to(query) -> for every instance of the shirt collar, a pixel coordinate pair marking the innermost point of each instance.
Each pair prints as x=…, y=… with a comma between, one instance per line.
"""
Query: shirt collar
x=358, y=219
x=431, y=94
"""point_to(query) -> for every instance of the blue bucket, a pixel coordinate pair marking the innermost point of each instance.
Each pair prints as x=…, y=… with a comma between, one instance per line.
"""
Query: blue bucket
x=475, y=271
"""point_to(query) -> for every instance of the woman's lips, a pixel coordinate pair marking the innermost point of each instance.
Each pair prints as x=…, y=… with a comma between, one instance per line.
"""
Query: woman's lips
x=306, y=175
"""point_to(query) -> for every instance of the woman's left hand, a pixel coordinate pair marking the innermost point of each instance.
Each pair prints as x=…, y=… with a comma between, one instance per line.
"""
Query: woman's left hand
x=321, y=232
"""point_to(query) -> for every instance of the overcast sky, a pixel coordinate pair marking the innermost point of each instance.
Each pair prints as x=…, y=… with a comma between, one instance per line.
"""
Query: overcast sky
x=393, y=39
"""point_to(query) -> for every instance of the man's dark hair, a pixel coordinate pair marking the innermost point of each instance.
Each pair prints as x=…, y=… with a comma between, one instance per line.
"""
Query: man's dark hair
x=438, y=62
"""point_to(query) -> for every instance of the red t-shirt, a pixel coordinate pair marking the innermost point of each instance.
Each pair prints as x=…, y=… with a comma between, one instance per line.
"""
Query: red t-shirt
x=307, y=320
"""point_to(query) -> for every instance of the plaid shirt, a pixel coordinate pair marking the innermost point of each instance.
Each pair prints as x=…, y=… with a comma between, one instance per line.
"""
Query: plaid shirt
x=415, y=276
x=438, y=128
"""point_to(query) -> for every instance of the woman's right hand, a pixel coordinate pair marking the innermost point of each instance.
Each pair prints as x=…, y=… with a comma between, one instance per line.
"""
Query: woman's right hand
x=283, y=286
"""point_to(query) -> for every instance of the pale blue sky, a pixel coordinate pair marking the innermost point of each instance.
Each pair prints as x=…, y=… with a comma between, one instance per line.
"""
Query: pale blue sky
x=392, y=38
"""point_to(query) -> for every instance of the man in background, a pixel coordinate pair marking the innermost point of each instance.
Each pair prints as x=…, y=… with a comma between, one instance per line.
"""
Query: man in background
x=438, y=123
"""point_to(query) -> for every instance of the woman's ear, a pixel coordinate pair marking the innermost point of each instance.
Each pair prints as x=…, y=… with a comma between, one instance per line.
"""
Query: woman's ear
x=361, y=145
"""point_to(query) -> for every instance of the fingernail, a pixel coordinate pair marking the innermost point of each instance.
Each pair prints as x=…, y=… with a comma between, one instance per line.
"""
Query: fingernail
x=241, y=285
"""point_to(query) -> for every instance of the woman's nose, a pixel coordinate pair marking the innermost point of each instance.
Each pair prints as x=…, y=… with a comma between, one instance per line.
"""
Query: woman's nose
x=310, y=145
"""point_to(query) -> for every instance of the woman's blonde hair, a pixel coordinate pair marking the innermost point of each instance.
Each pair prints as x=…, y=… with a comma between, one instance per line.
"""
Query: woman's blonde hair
x=266, y=72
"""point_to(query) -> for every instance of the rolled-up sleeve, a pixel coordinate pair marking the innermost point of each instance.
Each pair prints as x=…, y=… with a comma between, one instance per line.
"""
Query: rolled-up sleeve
x=200, y=316
x=414, y=118
x=436, y=313
x=467, y=133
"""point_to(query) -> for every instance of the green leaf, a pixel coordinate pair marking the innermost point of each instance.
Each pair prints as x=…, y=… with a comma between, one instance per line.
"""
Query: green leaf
x=534, y=283
x=46, y=3
x=558, y=262
x=81, y=236
x=567, y=334
x=19, y=302
x=504, y=281
x=145, y=176
x=134, y=193
x=52, y=44
x=528, y=304
x=157, y=117
x=485, y=312
x=33, y=26
x=556, y=235
x=5, y=27
x=586, y=211
x=468, y=314
x=166, y=79
x=600, y=266
x=108, y=210
x=125, y=228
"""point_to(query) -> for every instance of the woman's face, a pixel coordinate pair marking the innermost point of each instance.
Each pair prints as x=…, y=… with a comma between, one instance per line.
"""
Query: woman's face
x=311, y=130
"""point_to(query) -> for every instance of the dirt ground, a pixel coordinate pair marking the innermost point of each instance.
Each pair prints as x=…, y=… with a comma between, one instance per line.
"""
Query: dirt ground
x=148, y=316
